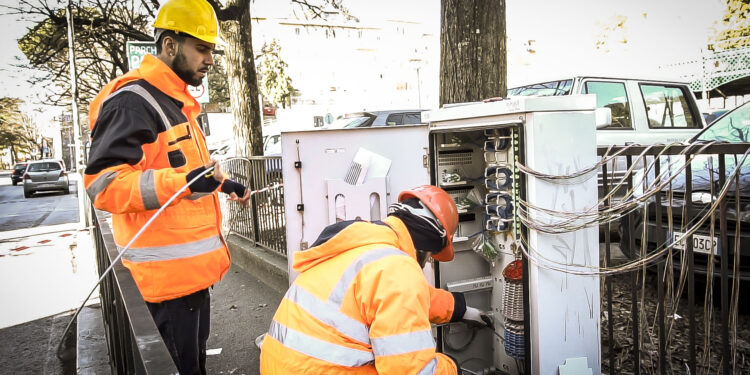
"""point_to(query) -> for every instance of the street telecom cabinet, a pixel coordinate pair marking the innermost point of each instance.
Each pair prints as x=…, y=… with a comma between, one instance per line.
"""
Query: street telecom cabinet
x=543, y=317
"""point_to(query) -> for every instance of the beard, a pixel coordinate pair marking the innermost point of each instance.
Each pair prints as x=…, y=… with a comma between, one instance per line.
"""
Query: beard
x=182, y=70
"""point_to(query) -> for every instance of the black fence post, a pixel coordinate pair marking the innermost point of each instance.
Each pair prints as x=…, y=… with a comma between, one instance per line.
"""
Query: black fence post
x=690, y=265
x=608, y=279
x=660, y=274
x=724, y=268
x=255, y=222
x=635, y=311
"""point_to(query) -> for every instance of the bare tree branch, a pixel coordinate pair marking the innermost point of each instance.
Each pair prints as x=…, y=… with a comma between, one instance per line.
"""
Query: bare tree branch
x=101, y=29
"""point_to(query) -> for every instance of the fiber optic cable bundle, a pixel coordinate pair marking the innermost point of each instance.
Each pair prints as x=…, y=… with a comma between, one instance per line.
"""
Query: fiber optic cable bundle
x=513, y=309
x=556, y=222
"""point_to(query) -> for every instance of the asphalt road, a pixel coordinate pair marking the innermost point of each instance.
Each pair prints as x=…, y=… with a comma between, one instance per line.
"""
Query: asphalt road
x=42, y=209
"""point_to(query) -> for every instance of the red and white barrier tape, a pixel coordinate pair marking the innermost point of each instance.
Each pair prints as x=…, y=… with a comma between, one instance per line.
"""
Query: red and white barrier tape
x=45, y=241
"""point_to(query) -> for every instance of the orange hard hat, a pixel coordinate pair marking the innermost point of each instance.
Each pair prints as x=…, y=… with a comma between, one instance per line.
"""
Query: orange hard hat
x=443, y=207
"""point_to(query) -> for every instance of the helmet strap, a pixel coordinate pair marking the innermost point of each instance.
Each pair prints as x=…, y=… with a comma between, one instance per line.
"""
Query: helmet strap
x=422, y=258
x=422, y=213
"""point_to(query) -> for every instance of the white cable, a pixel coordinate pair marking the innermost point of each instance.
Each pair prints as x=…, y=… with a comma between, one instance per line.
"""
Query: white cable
x=595, y=214
x=586, y=270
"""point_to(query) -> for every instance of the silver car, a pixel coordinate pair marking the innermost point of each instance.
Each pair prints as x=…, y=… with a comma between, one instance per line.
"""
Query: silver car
x=45, y=175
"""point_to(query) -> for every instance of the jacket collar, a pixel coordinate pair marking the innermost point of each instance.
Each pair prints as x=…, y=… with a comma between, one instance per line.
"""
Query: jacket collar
x=161, y=76
x=405, y=242
x=356, y=235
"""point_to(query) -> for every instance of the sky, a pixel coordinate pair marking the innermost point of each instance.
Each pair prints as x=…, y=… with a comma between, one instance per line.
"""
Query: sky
x=546, y=39
x=654, y=33
x=563, y=34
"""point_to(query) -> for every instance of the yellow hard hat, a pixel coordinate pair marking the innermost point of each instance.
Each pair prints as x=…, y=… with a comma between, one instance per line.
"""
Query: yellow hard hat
x=193, y=17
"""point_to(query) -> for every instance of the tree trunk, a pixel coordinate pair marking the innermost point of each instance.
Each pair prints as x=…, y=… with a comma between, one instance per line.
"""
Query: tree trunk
x=473, y=64
x=234, y=21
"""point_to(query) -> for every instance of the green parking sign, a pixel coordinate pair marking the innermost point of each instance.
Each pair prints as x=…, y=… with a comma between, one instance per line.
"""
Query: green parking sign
x=138, y=50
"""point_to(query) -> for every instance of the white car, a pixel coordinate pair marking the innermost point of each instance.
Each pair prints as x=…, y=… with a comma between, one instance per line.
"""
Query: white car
x=271, y=147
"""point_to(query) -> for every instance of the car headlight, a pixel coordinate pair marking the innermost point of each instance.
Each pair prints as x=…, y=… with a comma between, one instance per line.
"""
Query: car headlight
x=702, y=197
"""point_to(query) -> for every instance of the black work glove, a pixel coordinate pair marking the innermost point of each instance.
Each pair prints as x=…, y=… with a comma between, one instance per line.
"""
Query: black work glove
x=229, y=187
x=205, y=184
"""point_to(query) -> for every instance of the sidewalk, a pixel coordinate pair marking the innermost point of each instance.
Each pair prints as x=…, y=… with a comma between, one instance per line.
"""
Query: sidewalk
x=242, y=306
x=241, y=309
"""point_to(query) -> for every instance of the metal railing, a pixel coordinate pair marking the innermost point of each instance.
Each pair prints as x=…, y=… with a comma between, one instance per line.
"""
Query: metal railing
x=647, y=325
x=263, y=223
x=134, y=343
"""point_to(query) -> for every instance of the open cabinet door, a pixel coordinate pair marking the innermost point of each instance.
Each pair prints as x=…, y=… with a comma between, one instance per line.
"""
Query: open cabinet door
x=344, y=174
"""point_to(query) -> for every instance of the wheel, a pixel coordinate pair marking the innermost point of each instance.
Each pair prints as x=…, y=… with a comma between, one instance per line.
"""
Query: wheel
x=27, y=194
x=15, y=182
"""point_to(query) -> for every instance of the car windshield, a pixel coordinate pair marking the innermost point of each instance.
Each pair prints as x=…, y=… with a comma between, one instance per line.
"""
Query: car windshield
x=732, y=127
x=554, y=88
x=351, y=122
x=223, y=151
x=273, y=145
x=44, y=167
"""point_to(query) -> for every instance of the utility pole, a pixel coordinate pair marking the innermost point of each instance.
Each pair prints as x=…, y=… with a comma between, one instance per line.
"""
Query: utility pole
x=76, y=124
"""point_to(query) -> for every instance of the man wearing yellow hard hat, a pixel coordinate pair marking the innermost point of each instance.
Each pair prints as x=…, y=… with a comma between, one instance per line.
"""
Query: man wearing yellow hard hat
x=145, y=146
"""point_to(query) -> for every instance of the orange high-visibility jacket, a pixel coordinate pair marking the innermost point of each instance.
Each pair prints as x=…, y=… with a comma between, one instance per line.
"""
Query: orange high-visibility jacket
x=145, y=140
x=360, y=305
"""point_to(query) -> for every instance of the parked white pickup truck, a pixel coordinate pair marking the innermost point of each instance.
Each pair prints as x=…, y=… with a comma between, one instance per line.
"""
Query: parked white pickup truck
x=643, y=111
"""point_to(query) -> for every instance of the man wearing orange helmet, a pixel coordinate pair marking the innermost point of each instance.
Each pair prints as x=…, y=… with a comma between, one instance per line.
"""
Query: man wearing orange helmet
x=145, y=146
x=361, y=304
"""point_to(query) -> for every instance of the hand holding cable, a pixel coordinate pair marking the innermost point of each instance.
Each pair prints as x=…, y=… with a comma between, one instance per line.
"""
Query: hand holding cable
x=236, y=191
x=213, y=179
x=209, y=182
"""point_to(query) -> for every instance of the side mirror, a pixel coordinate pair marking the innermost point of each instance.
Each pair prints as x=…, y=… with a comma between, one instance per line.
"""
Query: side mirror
x=603, y=117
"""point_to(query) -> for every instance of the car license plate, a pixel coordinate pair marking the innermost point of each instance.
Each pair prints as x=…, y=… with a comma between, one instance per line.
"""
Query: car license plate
x=701, y=244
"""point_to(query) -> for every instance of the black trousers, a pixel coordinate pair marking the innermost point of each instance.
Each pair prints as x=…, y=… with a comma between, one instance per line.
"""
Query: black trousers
x=184, y=324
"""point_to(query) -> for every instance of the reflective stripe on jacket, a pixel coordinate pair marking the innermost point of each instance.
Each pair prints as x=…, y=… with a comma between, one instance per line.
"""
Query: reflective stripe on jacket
x=361, y=305
x=144, y=141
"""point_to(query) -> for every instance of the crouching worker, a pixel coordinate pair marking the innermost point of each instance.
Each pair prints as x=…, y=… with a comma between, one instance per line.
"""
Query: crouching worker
x=361, y=304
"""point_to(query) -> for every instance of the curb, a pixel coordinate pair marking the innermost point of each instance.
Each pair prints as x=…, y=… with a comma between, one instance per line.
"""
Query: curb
x=268, y=266
x=92, y=355
x=41, y=230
